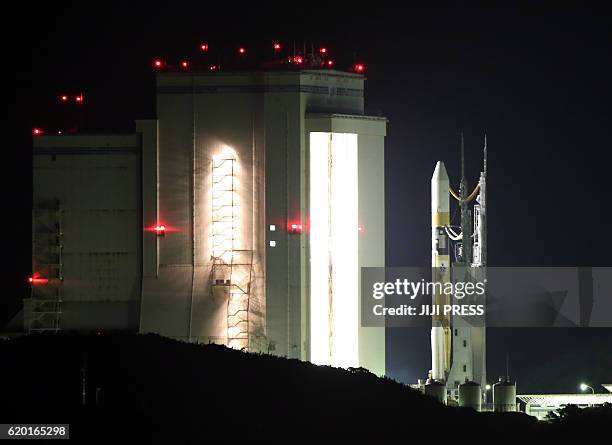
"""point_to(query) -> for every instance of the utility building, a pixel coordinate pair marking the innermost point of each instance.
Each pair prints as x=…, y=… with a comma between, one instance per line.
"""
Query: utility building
x=240, y=216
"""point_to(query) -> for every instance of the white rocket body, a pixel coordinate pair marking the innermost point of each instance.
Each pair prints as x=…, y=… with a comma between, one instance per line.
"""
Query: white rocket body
x=440, y=262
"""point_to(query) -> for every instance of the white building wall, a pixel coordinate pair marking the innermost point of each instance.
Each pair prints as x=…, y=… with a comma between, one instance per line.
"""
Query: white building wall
x=263, y=117
x=95, y=180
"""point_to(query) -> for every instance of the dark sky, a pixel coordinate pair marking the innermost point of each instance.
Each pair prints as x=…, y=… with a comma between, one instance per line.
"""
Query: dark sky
x=535, y=76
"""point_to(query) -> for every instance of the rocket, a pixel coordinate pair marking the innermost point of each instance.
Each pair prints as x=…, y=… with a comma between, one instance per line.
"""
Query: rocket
x=440, y=263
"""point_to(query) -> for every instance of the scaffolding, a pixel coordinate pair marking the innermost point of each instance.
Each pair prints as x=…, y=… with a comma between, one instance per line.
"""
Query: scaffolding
x=232, y=266
x=42, y=311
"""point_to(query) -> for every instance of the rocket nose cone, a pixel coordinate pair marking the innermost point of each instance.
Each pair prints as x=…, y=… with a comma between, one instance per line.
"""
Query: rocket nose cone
x=439, y=173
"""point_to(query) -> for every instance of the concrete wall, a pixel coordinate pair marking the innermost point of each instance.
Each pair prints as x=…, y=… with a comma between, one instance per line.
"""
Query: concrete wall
x=96, y=180
x=194, y=124
x=287, y=102
x=371, y=132
x=262, y=117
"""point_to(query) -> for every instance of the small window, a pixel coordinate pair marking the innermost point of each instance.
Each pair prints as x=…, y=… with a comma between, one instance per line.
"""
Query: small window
x=465, y=343
x=272, y=243
x=464, y=368
x=455, y=332
x=272, y=228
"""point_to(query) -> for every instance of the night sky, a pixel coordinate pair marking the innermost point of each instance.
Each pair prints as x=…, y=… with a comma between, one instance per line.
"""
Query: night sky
x=536, y=77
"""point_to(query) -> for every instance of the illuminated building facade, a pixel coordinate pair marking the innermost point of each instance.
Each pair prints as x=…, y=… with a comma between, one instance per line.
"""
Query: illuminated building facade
x=254, y=199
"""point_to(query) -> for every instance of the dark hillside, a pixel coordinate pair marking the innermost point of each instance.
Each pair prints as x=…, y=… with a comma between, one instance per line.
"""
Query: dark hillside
x=153, y=388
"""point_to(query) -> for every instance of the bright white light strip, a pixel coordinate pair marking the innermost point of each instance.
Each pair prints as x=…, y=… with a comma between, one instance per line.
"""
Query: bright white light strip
x=344, y=249
x=320, y=147
x=334, y=249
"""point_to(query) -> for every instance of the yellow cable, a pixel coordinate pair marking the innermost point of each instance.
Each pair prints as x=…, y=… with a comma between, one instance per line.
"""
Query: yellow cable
x=469, y=198
x=452, y=192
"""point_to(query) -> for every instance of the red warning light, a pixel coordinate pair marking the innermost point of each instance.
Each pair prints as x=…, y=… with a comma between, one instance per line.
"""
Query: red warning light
x=36, y=131
x=64, y=98
x=160, y=229
x=79, y=98
x=295, y=228
x=158, y=63
x=323, y=50
x=184, y=64
x=213, y=68
x=359, y=68
x=298, y=60
x=277, y=46
x=204, y=47
x=360, y=228
x=330, y=63
x=37, y=280
x=242, y=50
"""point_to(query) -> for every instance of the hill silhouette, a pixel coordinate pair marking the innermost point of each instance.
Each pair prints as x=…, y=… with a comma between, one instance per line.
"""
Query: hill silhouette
x=150, y=388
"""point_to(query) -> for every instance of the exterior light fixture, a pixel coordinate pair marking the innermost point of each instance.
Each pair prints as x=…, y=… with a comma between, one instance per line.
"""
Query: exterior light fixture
x=295, y=228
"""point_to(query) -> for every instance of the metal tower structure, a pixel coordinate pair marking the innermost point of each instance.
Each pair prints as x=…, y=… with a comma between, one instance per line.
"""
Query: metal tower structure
x=44, y=307
x=232, y=270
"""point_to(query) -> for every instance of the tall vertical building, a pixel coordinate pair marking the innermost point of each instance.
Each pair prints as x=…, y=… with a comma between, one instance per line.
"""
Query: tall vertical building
x=241, y=216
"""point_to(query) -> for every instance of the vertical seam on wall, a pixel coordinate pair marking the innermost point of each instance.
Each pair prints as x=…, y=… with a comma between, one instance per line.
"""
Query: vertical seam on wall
x=285, y=222
x=330, y=282
x=156, y=196
x=192, y=193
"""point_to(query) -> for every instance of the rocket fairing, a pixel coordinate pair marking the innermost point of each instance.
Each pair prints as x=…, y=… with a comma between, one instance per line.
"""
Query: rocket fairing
x=440, y=262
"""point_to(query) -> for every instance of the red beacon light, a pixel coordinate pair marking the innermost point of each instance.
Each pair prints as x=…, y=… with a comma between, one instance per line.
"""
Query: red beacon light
x=277, y=46
x=36, y=131
x=323, y=50
x=213, y=68
x=330, y=63
x=204, y=47
x=184, y=64
x=160, y=230
x=295, y=228
x=158, y=63
x=64, y=98
x=242, y=50
x=79, y=99
x=298, y=60
x=359, y=68
x=36, y=280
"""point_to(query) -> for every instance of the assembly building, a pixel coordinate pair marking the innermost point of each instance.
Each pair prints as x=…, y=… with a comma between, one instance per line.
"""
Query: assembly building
x=241, y=215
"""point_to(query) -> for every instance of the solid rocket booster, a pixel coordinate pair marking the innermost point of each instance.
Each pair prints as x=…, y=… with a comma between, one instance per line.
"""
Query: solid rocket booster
x=440, y=262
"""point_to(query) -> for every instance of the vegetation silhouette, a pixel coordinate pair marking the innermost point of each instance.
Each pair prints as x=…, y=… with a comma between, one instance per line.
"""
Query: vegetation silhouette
x=151, y=388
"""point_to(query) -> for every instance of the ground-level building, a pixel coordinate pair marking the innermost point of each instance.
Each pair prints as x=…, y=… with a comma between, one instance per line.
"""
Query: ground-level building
x=540, y=405
x=241, y=215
